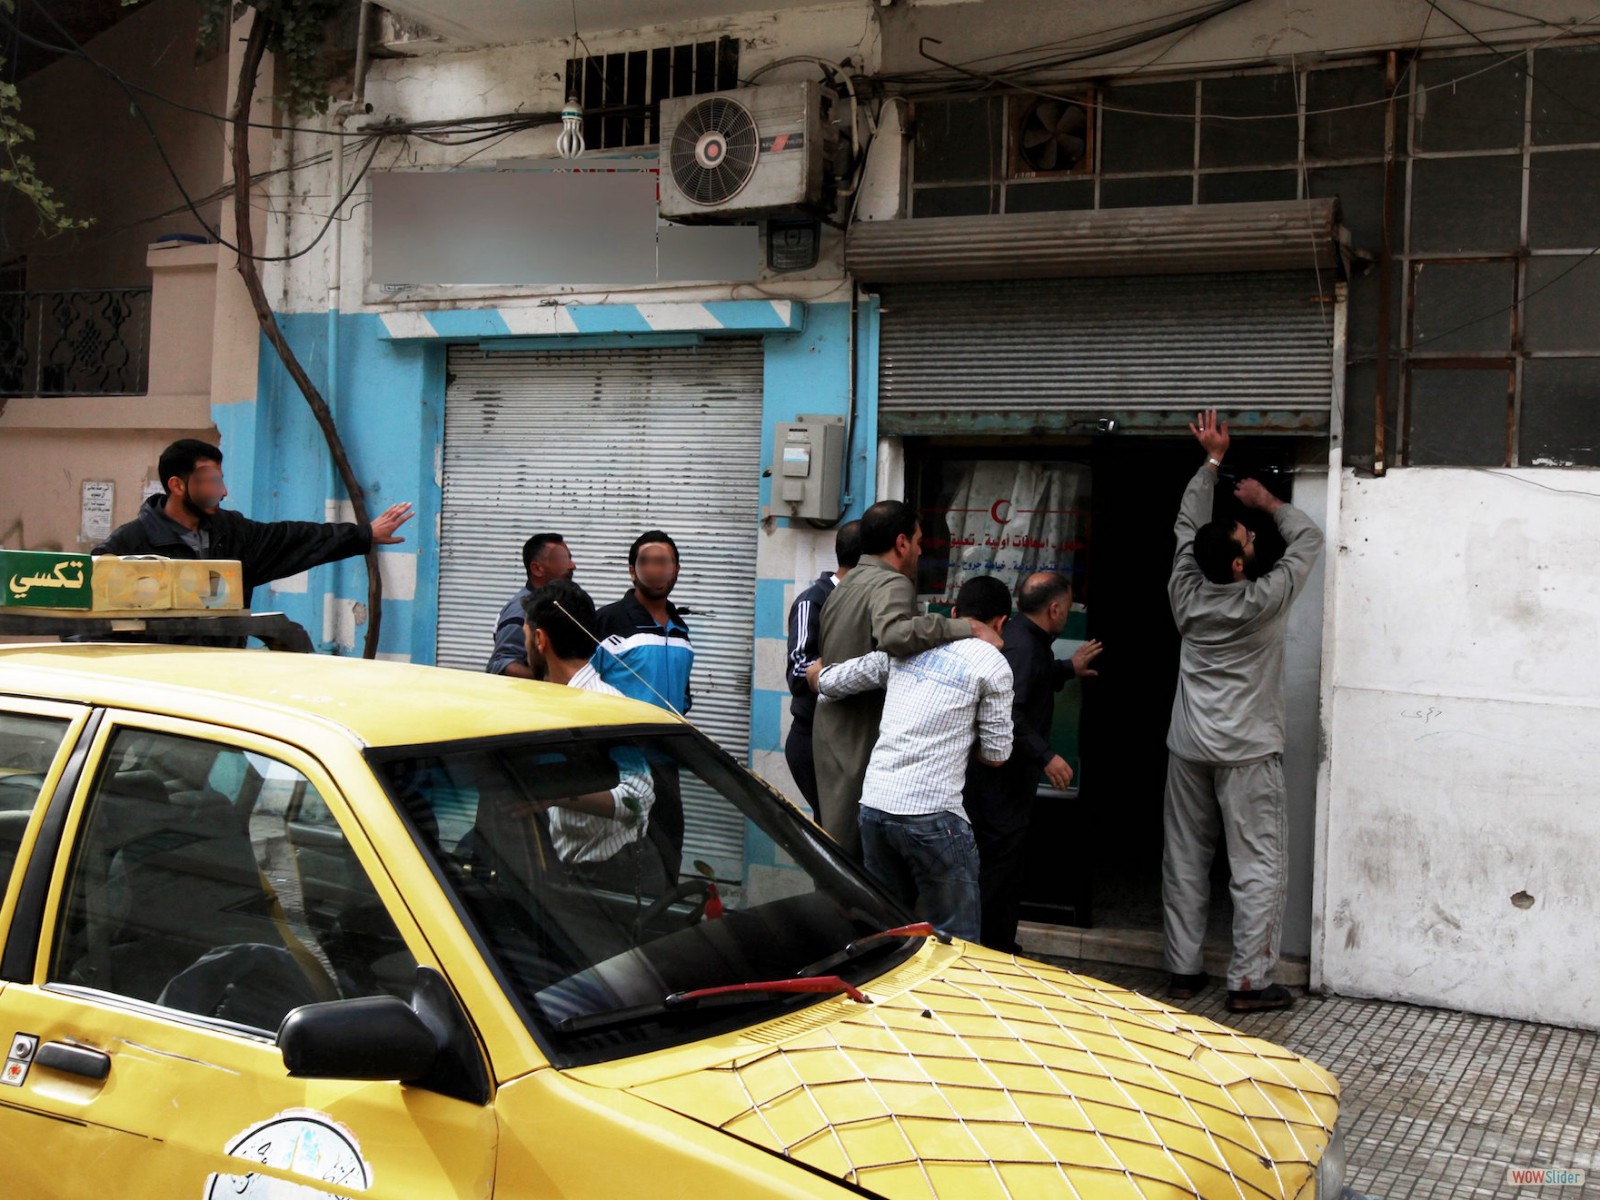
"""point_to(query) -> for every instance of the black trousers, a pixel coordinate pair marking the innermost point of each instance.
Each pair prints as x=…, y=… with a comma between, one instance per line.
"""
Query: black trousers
x=797, y=753
x=666, y=818
x=1002, y=859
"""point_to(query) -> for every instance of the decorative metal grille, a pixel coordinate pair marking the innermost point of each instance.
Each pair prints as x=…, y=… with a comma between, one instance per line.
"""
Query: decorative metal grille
x=75, y=343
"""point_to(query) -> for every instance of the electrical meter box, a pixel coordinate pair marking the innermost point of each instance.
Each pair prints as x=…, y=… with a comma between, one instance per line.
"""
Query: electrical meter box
x=808, y=469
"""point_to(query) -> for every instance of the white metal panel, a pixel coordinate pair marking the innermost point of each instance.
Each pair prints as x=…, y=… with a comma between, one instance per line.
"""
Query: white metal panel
x=600, y=445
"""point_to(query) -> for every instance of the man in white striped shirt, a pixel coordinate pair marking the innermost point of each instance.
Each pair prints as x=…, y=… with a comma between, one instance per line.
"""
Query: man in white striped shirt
x=915, y=834
x=601, y=835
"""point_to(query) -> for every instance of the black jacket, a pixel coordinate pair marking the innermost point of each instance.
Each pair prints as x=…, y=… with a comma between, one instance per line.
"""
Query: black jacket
x=267, y=550
x=805, y=645
x=1006, y=793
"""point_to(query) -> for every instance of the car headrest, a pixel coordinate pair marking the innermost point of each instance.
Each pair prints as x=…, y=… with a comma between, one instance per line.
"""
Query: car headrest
x=136, y=785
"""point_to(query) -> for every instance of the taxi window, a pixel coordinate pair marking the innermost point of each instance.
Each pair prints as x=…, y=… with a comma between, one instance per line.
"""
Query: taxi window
x=28, y=746
x=216, y=881
x=598, y=921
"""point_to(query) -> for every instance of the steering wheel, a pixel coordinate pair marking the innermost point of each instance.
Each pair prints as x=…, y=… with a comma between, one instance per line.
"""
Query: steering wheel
x=688, y=887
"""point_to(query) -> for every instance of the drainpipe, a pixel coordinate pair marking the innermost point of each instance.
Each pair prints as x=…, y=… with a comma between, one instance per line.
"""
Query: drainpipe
x=358, y=105
x=1385, y=265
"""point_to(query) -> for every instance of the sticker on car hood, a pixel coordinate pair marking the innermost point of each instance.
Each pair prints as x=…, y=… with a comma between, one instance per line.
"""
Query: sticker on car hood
x=300, y=1141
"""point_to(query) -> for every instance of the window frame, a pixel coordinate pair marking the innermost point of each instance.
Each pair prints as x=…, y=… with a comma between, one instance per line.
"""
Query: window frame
x=1406, y=353
x=35, y=839
x=115, y=721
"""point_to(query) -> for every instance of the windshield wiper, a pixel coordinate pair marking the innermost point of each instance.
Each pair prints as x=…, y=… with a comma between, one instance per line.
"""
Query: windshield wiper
x=680, y=1001
x=854, y=949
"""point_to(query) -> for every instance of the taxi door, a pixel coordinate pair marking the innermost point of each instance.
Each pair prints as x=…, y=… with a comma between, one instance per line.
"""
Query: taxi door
x=163, y=933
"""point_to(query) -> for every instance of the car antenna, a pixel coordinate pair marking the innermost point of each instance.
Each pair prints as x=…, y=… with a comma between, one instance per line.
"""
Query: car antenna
x=667, y=704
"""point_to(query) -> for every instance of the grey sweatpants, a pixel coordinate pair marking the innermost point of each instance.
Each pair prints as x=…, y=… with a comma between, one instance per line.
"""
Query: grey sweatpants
x=1246, y=805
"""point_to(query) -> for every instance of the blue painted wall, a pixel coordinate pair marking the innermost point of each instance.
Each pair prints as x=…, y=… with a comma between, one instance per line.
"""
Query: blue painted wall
x=389, y=404
x=389, y=407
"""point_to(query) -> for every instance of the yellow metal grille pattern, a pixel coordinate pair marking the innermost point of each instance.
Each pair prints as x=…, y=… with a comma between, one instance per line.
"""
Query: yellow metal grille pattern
x=1004, y=1079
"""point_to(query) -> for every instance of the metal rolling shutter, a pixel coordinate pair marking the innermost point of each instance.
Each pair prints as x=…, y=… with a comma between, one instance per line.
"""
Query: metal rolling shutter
x=601, y=445
x=1005, y=356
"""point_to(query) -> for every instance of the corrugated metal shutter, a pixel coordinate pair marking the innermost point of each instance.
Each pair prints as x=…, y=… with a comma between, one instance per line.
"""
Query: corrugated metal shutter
x=999, y=356
x=601, y=445
x=1278, y=235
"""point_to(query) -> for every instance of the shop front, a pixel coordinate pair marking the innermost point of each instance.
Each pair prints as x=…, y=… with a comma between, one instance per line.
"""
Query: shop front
x=1040, y=422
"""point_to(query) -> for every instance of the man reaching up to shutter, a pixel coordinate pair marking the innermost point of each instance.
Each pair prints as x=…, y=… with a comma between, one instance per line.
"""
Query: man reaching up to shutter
x=1225, y=742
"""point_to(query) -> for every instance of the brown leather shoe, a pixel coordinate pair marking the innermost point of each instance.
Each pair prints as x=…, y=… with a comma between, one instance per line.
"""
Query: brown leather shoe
x=1186, y=987
x=1258, y=1000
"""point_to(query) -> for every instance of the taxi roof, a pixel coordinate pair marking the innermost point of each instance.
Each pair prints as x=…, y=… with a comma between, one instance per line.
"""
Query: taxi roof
x=377, y=703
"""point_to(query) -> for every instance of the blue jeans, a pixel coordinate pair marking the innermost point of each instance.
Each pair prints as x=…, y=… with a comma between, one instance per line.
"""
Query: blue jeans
x=928, y=862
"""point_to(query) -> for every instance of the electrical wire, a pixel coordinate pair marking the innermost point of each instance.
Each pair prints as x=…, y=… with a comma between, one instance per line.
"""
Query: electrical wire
x=993, y=79
x=1489, y=316
x=1499, y=54
x=55, y=245
x=1205, y=12
x=1191, y=18
x=76, y=50
x=481, y=129
x=177, y=181
x=509, y=122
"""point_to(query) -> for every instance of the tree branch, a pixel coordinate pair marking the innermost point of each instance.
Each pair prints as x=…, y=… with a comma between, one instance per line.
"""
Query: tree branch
x=255, y=48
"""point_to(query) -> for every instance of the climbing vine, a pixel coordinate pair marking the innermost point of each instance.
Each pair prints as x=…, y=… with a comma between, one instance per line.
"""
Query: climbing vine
x=295, y=41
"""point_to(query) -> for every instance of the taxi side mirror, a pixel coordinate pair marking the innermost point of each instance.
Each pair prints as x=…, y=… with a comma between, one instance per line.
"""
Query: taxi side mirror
x=369, y=1037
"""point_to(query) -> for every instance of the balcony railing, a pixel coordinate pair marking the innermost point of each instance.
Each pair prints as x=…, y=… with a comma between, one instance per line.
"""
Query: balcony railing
x=75, y=343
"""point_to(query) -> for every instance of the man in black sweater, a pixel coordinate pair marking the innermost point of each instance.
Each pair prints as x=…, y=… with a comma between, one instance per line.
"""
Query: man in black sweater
x=189, y=522
x=805, y=646
x=999, y=800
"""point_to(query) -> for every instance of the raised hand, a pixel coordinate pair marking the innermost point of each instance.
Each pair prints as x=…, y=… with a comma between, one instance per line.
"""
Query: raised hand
x=1083, y=656
x=384, y=525
x=1252, y=493
x=1211, y=433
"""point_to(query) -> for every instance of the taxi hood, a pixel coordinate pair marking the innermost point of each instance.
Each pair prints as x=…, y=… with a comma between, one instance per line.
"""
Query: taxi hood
x=976, y=1074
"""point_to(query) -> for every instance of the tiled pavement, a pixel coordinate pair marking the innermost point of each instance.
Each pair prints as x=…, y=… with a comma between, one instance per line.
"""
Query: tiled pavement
x=1437, y=1104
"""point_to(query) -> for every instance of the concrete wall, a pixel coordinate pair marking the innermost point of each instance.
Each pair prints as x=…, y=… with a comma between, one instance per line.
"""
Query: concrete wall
x=1463, y=825
x=49, y=446
x=530, y=78
x=103, y=164
x=389, y=393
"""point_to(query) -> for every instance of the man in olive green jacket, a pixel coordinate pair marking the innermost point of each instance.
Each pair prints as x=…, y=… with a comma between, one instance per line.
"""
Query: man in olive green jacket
x=873, y=608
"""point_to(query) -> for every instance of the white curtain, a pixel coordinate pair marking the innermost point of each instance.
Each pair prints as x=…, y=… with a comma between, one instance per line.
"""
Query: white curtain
x=1010, y=519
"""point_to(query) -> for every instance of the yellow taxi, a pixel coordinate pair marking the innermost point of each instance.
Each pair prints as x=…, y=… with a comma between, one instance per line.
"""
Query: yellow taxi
x=278, y=925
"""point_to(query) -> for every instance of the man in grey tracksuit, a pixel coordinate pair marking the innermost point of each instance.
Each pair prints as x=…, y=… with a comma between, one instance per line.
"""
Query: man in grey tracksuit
x=1225, y=742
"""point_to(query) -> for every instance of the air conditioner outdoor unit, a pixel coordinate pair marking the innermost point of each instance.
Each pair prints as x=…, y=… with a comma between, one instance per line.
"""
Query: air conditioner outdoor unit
x=747, y=152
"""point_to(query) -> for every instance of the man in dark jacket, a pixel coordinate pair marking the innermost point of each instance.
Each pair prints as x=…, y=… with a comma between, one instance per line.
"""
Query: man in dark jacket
x=999, y=801
x=645, y=653
x=805, y=646
x=189, y=522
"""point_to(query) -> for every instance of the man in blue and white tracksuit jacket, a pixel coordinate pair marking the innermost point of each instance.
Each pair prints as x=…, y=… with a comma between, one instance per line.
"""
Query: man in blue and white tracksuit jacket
x=645, y=653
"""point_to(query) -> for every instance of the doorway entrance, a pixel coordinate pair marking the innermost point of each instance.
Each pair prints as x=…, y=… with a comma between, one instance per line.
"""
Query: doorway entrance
x=1096, y=851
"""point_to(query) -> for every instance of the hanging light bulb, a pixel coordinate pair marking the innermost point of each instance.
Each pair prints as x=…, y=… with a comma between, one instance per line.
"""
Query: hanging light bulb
x=569, y=142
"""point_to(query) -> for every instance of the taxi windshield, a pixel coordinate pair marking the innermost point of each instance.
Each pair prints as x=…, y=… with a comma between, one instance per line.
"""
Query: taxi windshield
x=613, y=933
